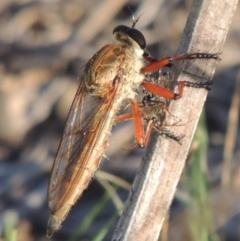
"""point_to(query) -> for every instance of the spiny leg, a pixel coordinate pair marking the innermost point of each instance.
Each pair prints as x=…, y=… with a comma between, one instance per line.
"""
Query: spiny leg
x=158, y=64
x=169, y=94
x=167, y=133
x=141, y=137
x=159, y=90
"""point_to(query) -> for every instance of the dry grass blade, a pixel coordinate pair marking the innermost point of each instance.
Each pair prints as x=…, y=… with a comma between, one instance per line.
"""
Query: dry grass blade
x=156, y=181
x=113, y=179
x=113, y=194
x=231, y=134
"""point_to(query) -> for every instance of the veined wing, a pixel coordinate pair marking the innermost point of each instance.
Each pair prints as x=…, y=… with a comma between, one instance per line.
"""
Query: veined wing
x=88, y=124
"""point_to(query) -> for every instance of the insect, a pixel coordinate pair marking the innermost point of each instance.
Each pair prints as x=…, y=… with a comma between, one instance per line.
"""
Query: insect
x=154, y=112
x=109, y=80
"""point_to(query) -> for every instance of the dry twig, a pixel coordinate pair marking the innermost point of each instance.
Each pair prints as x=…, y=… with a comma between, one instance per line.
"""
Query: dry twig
x=156, y=181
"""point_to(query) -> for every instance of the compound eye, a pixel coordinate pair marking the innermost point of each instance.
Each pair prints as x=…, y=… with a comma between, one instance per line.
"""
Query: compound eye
x=137, y=36
x=120, y=28
x=133, y=33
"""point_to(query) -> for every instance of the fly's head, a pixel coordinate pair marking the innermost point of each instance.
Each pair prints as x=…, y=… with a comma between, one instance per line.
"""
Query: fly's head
x=131, y=38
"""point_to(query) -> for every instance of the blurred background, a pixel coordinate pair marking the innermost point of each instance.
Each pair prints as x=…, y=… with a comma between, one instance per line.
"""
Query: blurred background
x=44, y=46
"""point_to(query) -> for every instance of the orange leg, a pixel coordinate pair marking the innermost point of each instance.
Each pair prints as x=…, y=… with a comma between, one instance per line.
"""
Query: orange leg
x=150, y=126
x=164, y=92
x=142, y=138
x=139, y=128
x=158, y=64
x=124, y=117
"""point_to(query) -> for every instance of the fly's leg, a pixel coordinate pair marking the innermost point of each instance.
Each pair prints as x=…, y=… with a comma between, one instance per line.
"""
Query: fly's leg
x=124, y=117
x=139, y=127
x=158, y=64
x=205, y=85
x=141, y=137
x=169, y=94
x=167, y=133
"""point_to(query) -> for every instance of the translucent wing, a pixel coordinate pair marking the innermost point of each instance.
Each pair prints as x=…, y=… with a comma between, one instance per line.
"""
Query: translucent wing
x=89, y=116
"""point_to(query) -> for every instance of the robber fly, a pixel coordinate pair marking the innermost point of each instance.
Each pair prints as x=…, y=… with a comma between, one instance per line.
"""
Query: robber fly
x=110, y=78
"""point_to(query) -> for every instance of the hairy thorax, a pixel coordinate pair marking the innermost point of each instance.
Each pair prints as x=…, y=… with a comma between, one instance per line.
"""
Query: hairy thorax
x=115, y=63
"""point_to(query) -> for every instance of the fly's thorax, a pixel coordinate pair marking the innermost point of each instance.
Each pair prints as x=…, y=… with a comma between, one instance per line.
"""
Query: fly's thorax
x=131, y=75
x=134, y=60
x=114, y=61
x=132, y=65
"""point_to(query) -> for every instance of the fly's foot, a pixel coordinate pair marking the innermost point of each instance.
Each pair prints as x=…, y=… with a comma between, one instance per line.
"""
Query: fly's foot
x=199, y=85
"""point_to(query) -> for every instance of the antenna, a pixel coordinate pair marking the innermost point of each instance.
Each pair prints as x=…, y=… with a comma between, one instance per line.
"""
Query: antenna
x=133, y=17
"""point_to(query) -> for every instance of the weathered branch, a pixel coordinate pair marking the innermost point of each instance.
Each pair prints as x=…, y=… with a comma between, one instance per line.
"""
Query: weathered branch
x=157, y=178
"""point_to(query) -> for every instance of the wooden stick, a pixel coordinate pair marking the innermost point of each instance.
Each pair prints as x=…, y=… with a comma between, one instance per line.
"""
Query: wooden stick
x=161, y=168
